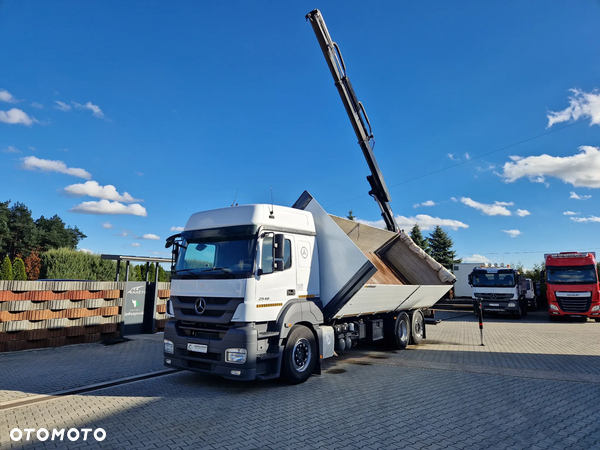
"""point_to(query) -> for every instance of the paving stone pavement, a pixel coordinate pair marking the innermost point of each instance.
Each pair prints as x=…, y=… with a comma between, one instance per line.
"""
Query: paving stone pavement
x=31, y=372
x=534, y=385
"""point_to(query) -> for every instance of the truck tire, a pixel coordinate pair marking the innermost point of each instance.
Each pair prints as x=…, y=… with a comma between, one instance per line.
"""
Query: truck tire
x=401, y=335
x=524, y=308
x=519, y=313
x=299, y=355
x=417, y=327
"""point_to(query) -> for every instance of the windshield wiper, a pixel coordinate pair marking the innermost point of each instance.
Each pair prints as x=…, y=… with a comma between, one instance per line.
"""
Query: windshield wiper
x=225, y=270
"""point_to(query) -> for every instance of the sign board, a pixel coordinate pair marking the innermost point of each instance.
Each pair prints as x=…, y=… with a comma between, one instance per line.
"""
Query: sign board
x=134, y=299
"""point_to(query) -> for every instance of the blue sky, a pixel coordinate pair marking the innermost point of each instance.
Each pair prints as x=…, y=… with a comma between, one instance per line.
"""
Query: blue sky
x=126, y=117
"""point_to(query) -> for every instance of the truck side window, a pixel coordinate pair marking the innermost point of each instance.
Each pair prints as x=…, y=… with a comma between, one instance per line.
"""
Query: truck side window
x=287, y=254
x=266, y=255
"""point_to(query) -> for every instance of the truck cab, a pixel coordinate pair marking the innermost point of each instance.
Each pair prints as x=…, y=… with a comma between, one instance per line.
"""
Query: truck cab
x=572, y=287
x=500, y=289
x=530, y=295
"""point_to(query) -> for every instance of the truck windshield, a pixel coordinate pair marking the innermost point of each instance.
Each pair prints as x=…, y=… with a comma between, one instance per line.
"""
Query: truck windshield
x=216, y=257
x=501, y=278
x=571, y=275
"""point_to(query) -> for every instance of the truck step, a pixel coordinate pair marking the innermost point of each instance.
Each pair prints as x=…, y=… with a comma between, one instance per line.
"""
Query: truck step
x=265, y=356
x=268, y=376
x=267, y=334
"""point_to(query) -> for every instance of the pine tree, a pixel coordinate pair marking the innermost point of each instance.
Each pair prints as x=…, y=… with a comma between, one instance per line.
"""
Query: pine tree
x=418, y=238
x=350, y=216
x=441, y=248
x=19, y=270
x=6, y=270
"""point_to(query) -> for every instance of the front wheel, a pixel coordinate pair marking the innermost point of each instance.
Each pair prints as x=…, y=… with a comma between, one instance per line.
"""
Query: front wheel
x=299, y=355
x=401, y=331
x=519, y=313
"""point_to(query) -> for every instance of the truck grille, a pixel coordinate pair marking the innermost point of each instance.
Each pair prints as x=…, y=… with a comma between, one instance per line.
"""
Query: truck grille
x=574, y=305
x=216, y=309
x=493, y=296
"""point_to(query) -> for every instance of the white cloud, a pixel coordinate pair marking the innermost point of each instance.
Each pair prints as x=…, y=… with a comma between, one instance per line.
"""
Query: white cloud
x=62, y=106
x=581, y=105
x=427, y=203
x=123, y=234
x=107, y=225
x=512, y=233
x=467, y=156
x=7, y=97
x=454, y=199
x=579, y=197
x=37, y=105
x=580, y=170
x=176, y=228
x=107, y=207
x=135, y=244
x=451, y=156
x=85, y=250
x=10, y=149
x=570, y=213
x=93, y=189
x=424, y=221
x=32, y=148
x=497, y=209
x=585, y=219
x=139, y=174
x=47, y=165
x=475, y=258
x=522, y=212
x=96, y=111
x=151, y=237
x=16, y=116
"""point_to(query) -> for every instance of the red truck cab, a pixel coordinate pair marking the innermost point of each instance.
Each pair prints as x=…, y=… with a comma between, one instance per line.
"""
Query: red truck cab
x=572, y=285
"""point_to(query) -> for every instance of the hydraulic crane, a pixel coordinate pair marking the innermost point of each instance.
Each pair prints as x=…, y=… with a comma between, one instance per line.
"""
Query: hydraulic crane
x=357, y=114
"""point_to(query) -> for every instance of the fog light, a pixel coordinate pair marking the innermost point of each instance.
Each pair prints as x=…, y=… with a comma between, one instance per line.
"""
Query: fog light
x=236, y=372
x=553, y=307
x=596, y=308
x=169, y=347
x=512, y=304
x=236, y=355
x=167, y=361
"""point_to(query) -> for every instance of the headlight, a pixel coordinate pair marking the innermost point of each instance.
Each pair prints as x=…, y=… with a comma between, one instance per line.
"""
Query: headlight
x=553, y=307
x=236, y=355
x=169, y=347
x=512, y=304
x=596, y=308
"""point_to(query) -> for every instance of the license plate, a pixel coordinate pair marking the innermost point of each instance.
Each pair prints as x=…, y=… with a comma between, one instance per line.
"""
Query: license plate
x=200, y=348
x=494, y=304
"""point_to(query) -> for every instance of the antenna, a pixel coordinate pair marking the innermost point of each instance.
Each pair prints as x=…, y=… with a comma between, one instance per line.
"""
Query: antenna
x=236, y=193
x=271, y=216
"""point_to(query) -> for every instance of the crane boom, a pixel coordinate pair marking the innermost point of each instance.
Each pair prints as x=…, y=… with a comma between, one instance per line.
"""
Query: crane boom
x=357, y=114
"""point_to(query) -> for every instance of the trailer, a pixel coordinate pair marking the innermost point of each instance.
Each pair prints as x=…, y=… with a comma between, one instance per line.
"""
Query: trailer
x=462, y=288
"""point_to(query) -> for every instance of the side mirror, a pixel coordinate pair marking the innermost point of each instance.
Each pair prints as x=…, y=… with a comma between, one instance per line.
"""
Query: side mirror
x=543, y=276
x=171, y=240
x=471, y=279
x=278, y=247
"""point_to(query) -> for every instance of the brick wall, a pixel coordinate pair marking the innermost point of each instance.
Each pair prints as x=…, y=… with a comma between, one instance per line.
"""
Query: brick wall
x=36, y=314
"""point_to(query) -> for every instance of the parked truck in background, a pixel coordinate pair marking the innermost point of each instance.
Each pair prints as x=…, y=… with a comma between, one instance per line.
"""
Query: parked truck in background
x=501, y=289
x=572, y=288
x=260, y=291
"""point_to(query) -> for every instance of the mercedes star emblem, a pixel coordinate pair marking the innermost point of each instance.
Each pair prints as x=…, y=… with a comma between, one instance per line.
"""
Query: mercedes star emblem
x=200, y=305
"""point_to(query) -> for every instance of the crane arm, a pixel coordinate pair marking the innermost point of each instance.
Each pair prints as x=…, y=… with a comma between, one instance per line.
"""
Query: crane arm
x=357, y=114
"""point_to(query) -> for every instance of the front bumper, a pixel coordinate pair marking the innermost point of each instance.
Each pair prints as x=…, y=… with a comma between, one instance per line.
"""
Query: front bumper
x=500, y=306
x=213, y=361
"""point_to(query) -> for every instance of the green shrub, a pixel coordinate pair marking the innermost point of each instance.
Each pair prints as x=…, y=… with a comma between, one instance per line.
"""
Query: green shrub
x=19, y=270
x=6, y=269
x=65, y=264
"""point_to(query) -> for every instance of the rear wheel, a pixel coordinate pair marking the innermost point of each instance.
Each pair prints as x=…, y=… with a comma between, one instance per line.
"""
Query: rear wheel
x=401, y=332
x=299, y=355
x=418, y=327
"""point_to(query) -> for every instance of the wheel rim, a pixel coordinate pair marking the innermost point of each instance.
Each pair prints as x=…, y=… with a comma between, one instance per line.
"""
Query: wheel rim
x=402, y=331
x=418, y=326
x=301, y=354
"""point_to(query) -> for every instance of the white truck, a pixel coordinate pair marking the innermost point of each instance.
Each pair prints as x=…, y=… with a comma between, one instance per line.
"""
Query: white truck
x=260, y=291
x=500, y=289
